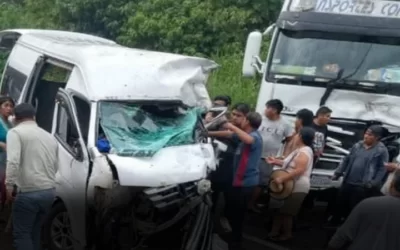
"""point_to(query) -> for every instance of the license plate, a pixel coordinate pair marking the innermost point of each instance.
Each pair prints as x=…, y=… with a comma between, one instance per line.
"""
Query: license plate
x=320, y=181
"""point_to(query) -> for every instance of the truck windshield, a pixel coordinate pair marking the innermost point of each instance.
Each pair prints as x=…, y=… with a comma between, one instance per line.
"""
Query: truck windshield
x=141, y=130
x=322, y=54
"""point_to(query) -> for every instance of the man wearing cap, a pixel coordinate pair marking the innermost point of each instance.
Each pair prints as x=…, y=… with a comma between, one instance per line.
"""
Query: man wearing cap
x=363, y=172
x=373, y=224
x=32, y=158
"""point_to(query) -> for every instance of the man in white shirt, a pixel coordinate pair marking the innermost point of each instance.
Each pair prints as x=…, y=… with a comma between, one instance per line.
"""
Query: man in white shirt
x=274, y=130
x=32, y=162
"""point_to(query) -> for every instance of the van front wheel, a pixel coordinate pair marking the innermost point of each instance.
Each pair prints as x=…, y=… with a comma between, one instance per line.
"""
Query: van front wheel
x=57, y=231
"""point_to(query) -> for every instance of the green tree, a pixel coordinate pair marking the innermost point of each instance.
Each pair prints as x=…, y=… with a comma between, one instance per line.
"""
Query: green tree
x=194, y=27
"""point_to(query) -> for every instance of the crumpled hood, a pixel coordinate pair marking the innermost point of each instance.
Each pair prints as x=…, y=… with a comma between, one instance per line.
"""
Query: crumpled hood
x=171, y=165
x=344, y=103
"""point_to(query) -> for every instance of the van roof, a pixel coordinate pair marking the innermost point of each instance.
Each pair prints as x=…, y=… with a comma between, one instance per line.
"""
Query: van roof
x=112, y=71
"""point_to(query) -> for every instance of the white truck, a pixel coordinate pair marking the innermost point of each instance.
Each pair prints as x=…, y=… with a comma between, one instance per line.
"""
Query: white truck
x=151, y=189
x=344, y=54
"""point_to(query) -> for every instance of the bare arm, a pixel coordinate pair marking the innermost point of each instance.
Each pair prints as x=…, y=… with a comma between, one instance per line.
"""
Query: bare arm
x=225, y=134
x=300, y=162
x=3, y=146
x=288, y=133
x=242, y=135
x=274, y=161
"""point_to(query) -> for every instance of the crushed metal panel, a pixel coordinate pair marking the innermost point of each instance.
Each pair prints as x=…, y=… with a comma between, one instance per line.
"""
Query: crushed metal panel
x=136, y=75
x=168, y=166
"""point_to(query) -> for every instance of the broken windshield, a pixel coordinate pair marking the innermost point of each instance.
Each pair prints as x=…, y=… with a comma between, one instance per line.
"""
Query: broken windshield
x=141, y=130
x=323, y=54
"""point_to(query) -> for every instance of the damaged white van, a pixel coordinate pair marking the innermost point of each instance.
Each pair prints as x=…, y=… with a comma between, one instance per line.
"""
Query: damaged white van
x=148, y=184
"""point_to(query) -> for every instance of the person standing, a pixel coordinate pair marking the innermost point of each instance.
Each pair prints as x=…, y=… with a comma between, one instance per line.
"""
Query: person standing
x=299, y=165
x=364, y=173
x=6, y=109
x=373, y=224
x=304, y=118
x=221, y=178
x=32, y=162
x=274, y=129
x=245, y=174
x=320, y=124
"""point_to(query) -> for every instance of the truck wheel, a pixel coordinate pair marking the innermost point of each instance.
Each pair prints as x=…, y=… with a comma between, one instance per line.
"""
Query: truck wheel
x=57, y=230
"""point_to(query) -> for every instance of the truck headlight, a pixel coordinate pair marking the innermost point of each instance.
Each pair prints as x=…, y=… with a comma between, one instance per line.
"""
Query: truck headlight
x=203, y=186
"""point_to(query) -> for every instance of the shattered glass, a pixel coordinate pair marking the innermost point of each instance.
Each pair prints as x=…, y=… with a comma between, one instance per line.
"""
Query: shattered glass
x=142, y=130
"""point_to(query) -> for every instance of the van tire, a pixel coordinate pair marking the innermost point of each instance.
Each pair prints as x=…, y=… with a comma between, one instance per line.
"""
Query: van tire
x=57, y=212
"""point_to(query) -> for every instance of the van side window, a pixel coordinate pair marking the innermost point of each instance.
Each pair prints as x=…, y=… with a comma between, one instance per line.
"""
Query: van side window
x=66, y=131
x=42, y=93
x=13, y=83
x=83, y=113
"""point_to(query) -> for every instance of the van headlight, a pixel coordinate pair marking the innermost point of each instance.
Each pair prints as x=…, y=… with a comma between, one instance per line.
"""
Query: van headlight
x=203, y=186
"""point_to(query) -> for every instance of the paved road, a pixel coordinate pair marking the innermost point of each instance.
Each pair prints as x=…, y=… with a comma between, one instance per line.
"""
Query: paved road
x=309, y=233
x=6, y=242
x=310, y=238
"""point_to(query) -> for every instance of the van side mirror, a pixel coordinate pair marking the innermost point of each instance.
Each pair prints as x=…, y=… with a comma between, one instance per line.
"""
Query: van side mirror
x=94, y=152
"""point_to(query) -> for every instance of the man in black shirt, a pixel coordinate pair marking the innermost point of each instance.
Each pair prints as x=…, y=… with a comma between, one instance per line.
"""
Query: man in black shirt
x=320, y=122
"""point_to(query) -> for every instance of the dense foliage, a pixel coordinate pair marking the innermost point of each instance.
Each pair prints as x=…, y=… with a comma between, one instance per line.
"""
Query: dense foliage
x=212, y=28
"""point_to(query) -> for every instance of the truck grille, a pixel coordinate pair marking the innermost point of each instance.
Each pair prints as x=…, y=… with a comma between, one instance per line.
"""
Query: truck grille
x=171, y=196
x=331, y=158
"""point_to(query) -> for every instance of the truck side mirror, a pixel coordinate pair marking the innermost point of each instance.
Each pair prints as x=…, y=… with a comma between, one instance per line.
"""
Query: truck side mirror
x=251, y=54
x=252, y=61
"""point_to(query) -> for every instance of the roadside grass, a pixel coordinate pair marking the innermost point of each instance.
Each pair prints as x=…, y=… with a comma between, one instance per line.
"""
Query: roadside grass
x=228, y=80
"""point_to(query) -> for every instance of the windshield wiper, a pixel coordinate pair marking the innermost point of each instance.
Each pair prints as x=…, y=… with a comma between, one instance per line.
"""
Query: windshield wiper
x=339, y=79
x=329, y=87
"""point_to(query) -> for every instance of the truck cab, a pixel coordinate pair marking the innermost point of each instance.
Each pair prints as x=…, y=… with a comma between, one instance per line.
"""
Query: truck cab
x=343, y=54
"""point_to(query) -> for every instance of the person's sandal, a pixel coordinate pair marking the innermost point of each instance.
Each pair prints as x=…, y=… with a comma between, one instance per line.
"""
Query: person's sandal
x=284, y=240
x=273, y=237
